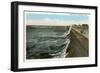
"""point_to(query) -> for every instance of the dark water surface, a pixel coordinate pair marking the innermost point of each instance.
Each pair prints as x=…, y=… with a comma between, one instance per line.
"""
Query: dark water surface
x=46, y=41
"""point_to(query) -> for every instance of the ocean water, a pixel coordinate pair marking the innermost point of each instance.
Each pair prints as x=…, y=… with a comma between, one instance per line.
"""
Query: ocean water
x=46, y=41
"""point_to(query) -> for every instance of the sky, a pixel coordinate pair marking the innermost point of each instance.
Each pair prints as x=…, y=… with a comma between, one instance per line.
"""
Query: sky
x=59, y=17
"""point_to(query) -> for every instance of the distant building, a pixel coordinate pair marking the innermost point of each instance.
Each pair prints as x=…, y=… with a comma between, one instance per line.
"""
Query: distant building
x=85, y=26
